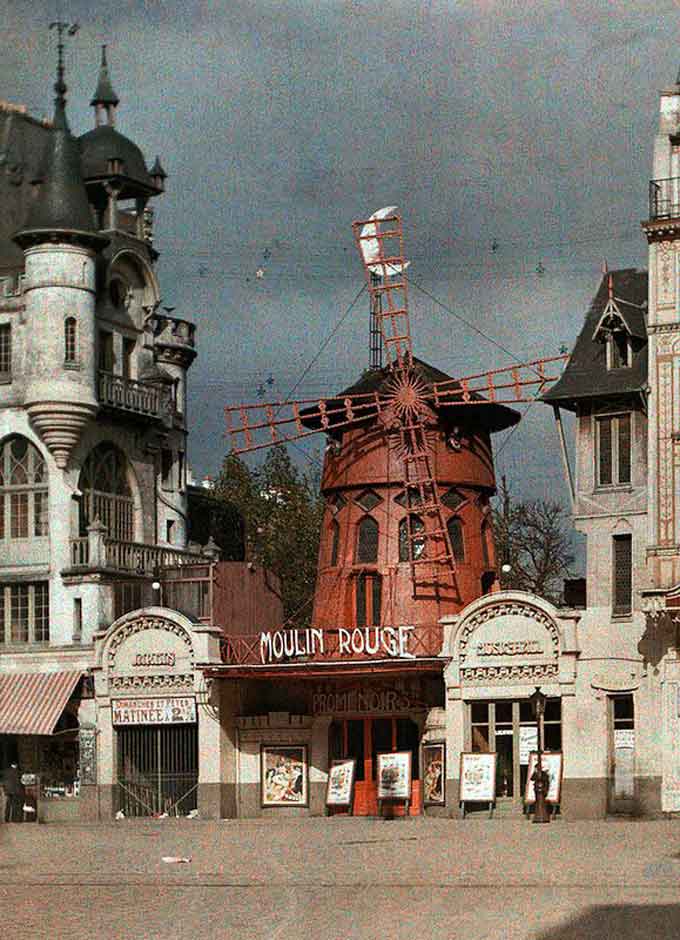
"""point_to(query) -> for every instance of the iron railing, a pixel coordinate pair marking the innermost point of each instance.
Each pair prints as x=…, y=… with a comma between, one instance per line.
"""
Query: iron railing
x=664, y=198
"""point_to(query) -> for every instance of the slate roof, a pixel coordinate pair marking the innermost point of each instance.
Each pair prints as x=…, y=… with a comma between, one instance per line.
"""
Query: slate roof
x=491, y=417
x=61, y=204
x=105, y=143
x=586, y=374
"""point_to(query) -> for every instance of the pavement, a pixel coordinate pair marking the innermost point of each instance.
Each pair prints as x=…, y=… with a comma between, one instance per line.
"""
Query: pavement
x=342, y=878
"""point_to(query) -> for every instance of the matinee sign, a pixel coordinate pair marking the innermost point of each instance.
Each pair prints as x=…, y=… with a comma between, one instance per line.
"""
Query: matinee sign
x=321, y=644
x=153, y=711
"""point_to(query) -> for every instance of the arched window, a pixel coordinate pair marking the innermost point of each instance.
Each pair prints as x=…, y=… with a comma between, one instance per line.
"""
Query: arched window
x=487, y=545
x=23, y=490
x=70, y=340
x=368, y=599
x=335, y=542
x=367, y=540
x=455, y=529
x=417, y=544
x=106, y=493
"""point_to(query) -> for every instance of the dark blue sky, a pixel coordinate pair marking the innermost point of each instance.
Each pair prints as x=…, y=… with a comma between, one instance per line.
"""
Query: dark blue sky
x=279, y=122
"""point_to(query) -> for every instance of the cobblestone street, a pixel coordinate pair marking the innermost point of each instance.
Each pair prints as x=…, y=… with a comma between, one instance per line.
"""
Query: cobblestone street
x=342, y=878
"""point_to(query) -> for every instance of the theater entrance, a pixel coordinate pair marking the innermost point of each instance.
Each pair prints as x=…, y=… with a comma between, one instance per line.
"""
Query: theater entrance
x=363, y=739
x=508, y=728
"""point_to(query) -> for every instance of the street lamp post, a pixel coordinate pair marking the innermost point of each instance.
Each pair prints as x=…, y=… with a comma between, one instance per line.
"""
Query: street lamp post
x=540, y=776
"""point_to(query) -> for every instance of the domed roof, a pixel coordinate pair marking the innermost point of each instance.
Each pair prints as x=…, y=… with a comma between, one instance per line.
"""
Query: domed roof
x=105, y=143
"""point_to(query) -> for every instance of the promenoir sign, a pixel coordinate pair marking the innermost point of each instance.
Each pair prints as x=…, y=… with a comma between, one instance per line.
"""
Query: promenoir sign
x=360, y=641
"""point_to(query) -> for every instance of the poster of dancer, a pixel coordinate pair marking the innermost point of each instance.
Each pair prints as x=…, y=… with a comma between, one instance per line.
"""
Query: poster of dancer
x=341, y=782
x=434, y=773
x=284, y=775
x=394, y=775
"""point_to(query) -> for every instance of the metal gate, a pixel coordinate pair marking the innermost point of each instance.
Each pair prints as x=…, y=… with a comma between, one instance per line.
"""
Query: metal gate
x=158, y=769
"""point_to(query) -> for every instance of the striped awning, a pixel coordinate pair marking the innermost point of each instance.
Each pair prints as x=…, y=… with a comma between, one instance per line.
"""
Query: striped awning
x=31, y=702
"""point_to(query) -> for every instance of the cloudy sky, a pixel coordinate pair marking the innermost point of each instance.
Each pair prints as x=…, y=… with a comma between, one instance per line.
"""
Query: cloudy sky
x=520, y=123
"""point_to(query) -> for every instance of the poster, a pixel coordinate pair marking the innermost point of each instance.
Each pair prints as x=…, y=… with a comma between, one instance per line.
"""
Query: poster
x=477, y=778
x=284, y=775
x=624, y=738
x=434, y=773
x=394, y=775
x=552, y=762
x=340, y=782
x=528, y=742
x=87, y=761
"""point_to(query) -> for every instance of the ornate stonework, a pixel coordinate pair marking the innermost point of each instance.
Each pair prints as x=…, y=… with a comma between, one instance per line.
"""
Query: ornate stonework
x=147, y=623
x=665, y=451
x=665, y=273
x=152, y=683
x=515, y=609
x=525, y=671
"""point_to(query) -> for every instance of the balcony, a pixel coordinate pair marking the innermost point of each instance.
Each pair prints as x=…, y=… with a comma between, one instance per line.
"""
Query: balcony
x=133, y=397
x=97, y=551
x=664, y=199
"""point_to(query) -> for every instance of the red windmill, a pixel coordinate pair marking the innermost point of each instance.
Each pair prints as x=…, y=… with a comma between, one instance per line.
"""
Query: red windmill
x=408, y=471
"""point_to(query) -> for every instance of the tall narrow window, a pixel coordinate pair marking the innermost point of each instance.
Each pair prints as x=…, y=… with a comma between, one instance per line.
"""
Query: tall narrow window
x=105, y=351
x=487, y=545
x=618, y=350
x=70, y=341
x=368, y=600
x=106, y=492
x=77, y=619
x=614, y=450
x=5, y=351
x=367, y=541
x=166, y=469
x=335, y=542
x=415, y=539
x=455, y=529
x=128, y=357
x=623, y=575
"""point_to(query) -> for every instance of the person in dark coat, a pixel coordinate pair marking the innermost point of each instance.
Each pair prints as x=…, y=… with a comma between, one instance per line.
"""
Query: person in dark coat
x=14, y=796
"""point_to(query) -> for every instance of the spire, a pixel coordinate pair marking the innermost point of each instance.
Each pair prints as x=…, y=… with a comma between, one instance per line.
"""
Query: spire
x=158, y=175
x=62, y=204
x=104, y=98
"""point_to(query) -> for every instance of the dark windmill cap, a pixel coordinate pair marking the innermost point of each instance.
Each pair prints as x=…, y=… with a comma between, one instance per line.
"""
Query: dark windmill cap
x=61, y=206
x=104, y=93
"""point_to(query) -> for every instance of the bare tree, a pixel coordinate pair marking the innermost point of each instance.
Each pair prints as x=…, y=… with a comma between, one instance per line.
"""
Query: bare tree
x=533, y=544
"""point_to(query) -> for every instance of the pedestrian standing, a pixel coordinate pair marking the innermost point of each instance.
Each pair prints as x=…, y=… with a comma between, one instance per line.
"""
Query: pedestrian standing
x=13, y=794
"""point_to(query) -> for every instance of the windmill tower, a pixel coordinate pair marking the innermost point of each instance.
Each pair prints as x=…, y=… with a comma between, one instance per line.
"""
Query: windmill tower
x=408, y=470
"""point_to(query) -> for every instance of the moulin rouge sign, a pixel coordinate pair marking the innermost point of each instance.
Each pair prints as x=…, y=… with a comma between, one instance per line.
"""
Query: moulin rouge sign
x=378, y=642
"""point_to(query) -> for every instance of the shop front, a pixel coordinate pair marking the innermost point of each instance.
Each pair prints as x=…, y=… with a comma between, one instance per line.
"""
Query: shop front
x=45, y=718
x=503, y=647
x=325, y=706
x=152, y=706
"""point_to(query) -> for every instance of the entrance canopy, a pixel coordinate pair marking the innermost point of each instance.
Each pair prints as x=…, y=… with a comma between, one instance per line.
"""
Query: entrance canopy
x=32, y=702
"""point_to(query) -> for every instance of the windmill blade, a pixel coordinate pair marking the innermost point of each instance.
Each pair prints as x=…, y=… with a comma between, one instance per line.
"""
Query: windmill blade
x=380, y=241
x=511, y=384
x=255, y=426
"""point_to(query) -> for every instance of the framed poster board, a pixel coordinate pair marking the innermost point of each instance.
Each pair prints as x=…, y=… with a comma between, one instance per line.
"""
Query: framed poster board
x=339, y=790
x=477, y=777
x=433, y=763
x=394, y=775
x=284, y=775
x=552, y=762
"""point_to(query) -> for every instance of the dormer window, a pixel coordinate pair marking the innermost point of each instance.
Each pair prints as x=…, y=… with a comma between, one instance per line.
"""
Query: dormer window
x=619, y=350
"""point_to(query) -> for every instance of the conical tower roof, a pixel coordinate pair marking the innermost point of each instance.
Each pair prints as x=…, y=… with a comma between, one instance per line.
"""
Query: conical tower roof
x=104, y=93
x=62, y=204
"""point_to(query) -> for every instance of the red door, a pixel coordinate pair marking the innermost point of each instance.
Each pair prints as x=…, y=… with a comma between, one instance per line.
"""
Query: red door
x=363, y=739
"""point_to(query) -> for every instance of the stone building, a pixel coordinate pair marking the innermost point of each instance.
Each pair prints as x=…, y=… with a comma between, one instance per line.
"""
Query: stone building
x=93, y=429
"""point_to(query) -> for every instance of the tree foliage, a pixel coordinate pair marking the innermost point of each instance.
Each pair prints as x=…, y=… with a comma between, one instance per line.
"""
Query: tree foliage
x=533, y=538
x=282, y=510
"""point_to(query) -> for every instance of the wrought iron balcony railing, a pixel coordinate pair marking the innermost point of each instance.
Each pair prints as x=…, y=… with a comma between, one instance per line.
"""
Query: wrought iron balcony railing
x=133, y=396
x=664, y=198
